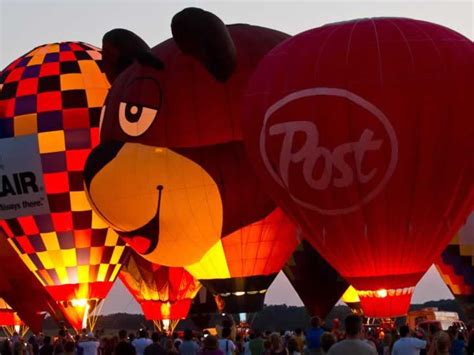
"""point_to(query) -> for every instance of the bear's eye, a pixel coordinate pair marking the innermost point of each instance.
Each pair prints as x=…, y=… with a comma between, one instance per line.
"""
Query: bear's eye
x=135, y=119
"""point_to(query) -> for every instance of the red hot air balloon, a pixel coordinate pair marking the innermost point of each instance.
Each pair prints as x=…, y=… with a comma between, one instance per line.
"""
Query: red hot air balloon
x=362, y=131
x=164, y=293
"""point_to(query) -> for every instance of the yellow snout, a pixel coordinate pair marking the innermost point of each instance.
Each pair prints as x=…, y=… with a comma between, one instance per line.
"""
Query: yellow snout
x=124, y=192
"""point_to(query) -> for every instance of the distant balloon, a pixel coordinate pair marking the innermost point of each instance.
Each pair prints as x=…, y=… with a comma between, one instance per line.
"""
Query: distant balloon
x=9, y=320
x=164, y=293
x=50, y=105
x=456, y=267
x=240, y=269
x=362, y=132
x=352, y=300
x=315, y=281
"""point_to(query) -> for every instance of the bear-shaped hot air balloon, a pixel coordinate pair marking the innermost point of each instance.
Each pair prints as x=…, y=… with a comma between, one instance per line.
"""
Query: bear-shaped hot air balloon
x=171, y=174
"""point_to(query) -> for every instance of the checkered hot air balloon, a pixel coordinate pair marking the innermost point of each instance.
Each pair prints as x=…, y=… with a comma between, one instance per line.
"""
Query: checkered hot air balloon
x=164, y=293
x=456, y=267
x=50, y=105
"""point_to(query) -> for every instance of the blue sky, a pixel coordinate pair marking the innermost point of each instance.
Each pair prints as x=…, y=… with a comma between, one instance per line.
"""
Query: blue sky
x=27, y=24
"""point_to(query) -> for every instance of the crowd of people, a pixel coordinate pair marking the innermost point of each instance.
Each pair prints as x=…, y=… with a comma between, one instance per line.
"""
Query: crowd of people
x=317, y=340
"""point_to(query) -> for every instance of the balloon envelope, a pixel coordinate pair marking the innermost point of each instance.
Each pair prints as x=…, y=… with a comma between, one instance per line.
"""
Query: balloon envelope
x=456, y=267
x=18, y=283
x=362, y=131
x=315, y=281
x=171, y=173
x=50, y=104
x=162, y=292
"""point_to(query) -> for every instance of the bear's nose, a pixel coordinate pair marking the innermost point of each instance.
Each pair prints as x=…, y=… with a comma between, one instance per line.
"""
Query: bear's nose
x=100, y=157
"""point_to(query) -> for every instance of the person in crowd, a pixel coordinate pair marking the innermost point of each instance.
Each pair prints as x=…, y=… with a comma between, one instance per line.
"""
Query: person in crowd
x=107, y=346
x=408, y=345
x=440, y=345
x=239, y=346
x=457, y=341
x=313, y=336
x=292, y=347
x=60, y=341
x=336, y=329
x=34, y=345
x=155, y=348
x=470, y=340
x=141, y=342
x=19, y=347
x=210, y=346
x=123, y=346
x=256, y=344
x=386, y=343
x=277, y=347
x=299, y=338
x=70, y=348
x=89, y=345
x=188, y=346
x=247, y=344
x=267, y=346
x=15, y=338
x=170, y=347
x=176, y=341
x=6, y=348
x=47, y=348
x=328, y=339
x=353, y=343
x=225, y=343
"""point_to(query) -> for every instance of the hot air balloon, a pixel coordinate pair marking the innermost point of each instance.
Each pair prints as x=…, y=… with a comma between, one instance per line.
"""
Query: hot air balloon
x=352, y=300
x=314, y=280
x=240, y=269
x=9, y=320
x=50, y=104
x=362, y=131
x=456, y=267
x=17, y=284
x=171, y=174
x=164, y=293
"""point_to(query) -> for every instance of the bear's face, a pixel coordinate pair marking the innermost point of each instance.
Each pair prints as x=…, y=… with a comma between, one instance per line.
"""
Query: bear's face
x=166, y=154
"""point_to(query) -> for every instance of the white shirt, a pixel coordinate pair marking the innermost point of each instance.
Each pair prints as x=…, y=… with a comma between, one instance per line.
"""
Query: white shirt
x=140, y=344
x=408, y=346
x=227, y=346
x=352, y=347
x=89, y=347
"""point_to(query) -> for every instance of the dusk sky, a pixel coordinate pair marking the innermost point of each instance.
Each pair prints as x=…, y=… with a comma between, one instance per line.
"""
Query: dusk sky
x=27, y=24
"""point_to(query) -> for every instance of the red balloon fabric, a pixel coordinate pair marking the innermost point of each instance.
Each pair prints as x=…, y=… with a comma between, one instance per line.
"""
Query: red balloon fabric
x=362, y=131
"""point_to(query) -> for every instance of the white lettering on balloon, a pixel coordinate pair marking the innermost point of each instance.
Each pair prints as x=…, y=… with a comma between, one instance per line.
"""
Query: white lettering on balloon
x=336, y=171
x=311, y=152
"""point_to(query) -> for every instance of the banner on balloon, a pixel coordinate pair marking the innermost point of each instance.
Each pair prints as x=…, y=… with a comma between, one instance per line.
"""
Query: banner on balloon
x=21, y=185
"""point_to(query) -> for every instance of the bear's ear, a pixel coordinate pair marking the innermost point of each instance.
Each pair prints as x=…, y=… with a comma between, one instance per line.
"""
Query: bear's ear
x=120, y=48
x=204, y=36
